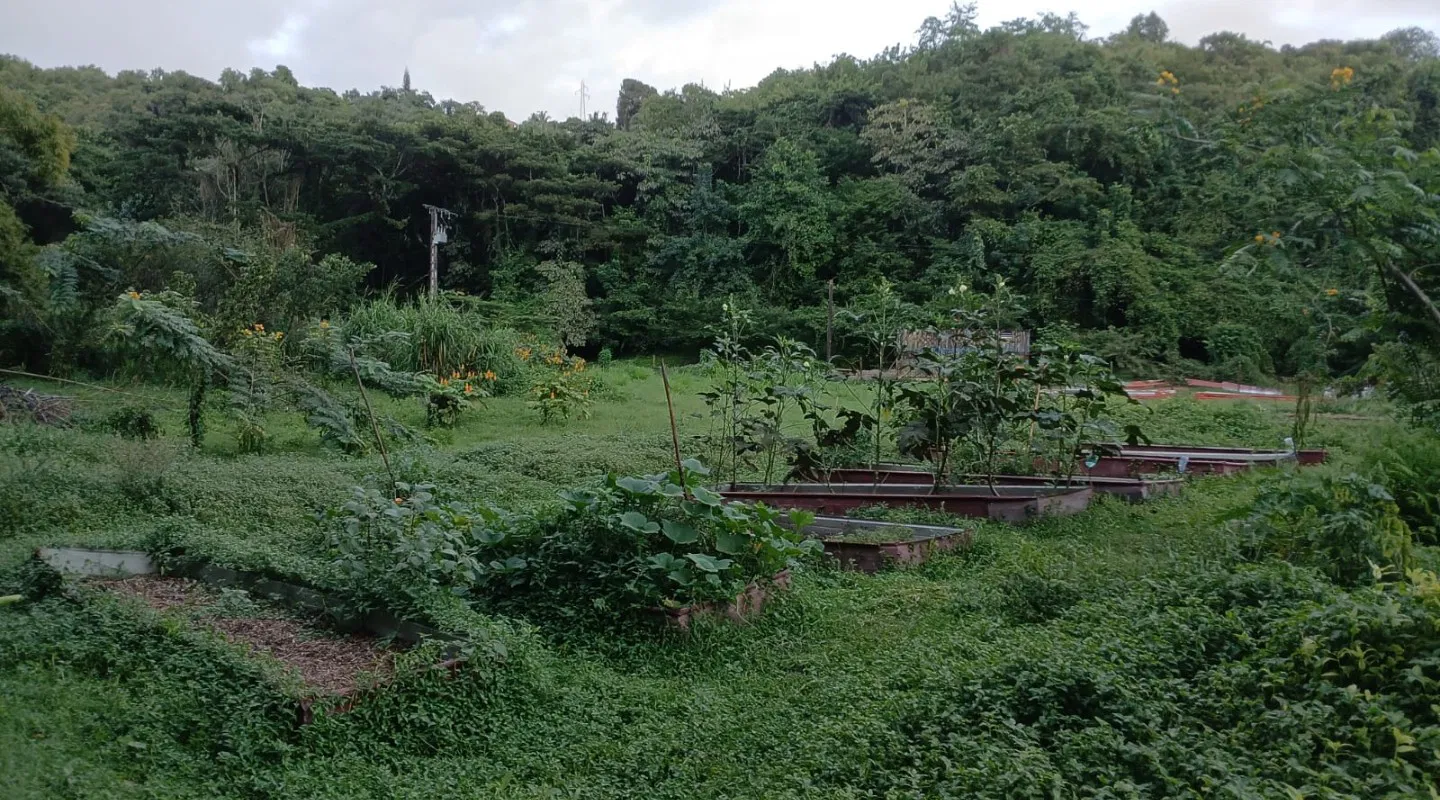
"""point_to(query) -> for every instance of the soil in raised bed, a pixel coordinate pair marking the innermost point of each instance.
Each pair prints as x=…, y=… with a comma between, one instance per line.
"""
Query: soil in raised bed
x=325, y=662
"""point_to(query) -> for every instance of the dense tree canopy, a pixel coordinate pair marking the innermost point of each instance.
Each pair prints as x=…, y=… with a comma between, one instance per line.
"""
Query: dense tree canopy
x=1252, y=209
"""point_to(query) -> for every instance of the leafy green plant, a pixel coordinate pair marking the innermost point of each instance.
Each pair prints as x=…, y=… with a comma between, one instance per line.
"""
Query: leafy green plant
x=1072, y=409
x=663, y=539
x=395, y=552
x=446, y=398
x=975, y=392
x=1346, y=526
x=562, y=389
x=878, y=318
x=132, y=422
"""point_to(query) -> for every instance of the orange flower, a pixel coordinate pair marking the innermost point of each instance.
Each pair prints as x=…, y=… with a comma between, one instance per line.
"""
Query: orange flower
x=1332, y=292
x=489, y=376
x=259, y=327
x=134, y=295
x=469, y=389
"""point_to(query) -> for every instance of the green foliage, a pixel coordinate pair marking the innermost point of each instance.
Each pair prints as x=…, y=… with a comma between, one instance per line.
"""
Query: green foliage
x=439, y=339
x=132, y=422
x=561, y=387
x=395, y=553
x=638, y=543
x=1125, y=646
x=1345, y=526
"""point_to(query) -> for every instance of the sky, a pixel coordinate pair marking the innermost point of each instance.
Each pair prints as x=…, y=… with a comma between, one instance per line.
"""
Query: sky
x=522, y=56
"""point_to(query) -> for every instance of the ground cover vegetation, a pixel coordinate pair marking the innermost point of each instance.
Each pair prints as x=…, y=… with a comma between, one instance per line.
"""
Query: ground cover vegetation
x=218, y=349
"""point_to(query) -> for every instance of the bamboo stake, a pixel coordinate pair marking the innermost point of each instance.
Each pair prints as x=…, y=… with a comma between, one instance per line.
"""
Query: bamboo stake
x=674, y=432
x=25, y=374
x=374, y=425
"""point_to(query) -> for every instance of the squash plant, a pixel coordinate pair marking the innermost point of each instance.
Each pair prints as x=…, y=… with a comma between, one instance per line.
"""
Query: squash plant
x=662, y=540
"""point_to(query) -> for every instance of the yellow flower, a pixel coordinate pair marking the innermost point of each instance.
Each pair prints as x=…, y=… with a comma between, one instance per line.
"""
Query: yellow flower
x=324, y=323
x=1259, y=237
x=1176, y=90
x=279, y=335
x=247, y=332
x=1332, y=292
x=134, y=295
x=552, y=395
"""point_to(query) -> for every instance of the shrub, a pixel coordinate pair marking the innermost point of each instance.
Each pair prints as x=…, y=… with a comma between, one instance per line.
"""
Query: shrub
x=1345, y=526
x=635, y=543
x=395, y=552
x=131, y=422
x=561, y=388
x=439, y=339
x=1409, y=464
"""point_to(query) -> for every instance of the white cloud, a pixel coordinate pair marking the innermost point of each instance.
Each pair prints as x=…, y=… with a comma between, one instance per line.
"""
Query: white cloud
x=519, y=56
x=284, y=43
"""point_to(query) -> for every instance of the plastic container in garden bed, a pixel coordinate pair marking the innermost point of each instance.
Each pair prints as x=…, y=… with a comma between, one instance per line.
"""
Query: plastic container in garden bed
x=746, y=605
x=1005, y=503
x=869, y=545
x=1133, y=489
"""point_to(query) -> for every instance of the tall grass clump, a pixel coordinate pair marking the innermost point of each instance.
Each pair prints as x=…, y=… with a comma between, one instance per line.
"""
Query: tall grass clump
x=439, y=339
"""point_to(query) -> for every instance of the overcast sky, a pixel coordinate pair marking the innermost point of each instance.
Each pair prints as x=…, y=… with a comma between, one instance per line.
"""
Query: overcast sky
x=520, y=56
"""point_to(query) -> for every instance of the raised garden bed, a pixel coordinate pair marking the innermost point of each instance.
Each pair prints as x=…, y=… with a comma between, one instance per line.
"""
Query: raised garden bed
x=1308, y=456
x=1137, y=466
x=746, y=604
x=1133, y=489
x=869, y=546
x=326, y=663
x=1006, y=503
x=329, y=659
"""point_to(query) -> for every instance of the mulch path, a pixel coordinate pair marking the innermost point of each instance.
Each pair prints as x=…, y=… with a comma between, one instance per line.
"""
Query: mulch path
x=325, y=662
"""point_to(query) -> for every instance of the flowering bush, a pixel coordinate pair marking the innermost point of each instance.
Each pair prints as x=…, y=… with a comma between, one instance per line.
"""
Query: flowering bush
x=447, y=397
x=561, y=388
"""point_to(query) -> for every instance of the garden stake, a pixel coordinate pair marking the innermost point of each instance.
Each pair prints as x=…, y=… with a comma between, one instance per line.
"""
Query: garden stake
x=25, y=374
x=674, y=434
x=374, y=426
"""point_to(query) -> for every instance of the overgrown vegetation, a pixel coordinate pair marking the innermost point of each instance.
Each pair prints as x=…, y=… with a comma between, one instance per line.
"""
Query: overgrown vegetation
x=237, y=395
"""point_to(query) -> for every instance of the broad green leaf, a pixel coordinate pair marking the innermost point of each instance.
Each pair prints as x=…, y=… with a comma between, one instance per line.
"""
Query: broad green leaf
x=708, y=497
x=636, y=521
x=732, y=544
x=707, y=563
x=636, y=485
x=679, y=532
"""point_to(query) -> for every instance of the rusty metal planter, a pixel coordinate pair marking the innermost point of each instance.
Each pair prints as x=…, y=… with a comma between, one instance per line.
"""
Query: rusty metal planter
x=909, y=545
x=1006, y=503
x=1125, y=466
x=1132, y=489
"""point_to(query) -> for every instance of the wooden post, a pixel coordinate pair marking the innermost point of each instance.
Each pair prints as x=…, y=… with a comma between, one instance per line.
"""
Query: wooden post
x=434, y=270
x=830, y=321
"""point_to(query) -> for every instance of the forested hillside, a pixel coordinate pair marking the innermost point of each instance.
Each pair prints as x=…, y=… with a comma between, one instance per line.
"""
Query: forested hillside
x=1230, y=209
